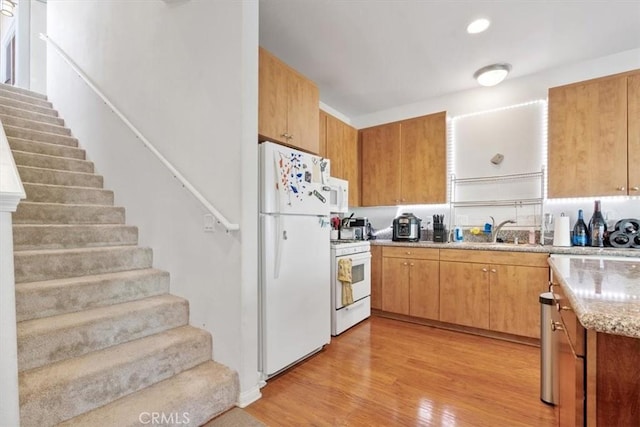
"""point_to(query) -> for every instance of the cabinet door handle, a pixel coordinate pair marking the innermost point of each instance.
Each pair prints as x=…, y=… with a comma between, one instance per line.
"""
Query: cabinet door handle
x=411, y=264
x=556, y=326
x=484, y=270
x=408, y=253
x=404, y=263
x=493, y=270
x=635, y=189
x=621, y=188
x=290, y=137
x=564, y=307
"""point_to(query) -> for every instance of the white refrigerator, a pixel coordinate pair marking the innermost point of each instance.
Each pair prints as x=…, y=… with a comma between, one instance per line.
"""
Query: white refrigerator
x=294, y=293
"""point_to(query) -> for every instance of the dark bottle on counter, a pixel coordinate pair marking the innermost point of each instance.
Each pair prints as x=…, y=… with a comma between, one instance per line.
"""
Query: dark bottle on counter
x=580, y=231
x=597, y=226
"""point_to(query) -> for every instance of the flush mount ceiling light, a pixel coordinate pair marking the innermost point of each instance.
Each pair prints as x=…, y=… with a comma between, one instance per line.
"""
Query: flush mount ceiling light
x=491, y=75
x=7, y=7
x=478, y=26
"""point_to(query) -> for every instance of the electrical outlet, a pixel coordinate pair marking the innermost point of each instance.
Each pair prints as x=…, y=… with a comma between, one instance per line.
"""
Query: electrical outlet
x=209, y=223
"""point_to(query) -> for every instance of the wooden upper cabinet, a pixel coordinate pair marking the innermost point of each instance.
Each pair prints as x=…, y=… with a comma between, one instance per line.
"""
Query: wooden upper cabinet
x=381, y=165
x=424, y=160
x=405, y=162
x=633, y=133
x=287, y=105
x=272, y=96
x=588, y=138
x=342, y=150
x=322, y=132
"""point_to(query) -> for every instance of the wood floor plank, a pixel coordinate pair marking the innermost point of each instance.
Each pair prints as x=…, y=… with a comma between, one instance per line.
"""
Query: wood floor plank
x=385, y=372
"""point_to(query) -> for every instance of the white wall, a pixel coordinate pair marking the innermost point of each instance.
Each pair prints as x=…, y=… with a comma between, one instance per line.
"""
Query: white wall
x=185, y=74
x=510, y=92
x=7, y=30
x=23, y=41
x=38, y=48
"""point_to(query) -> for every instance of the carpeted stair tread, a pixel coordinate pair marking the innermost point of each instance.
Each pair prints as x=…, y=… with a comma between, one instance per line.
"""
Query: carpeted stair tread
x=34, y=125
x=51, y=339
x=39, y=175
x=200, y=393
x=58, y=213
x=66, y=236
x=65, y=389
x=56, y=150
x=47, y=193
x=22, y=91
x=49, y=111
x=53, y=297
x=33, y=266
x=23, y=158
x=27, y=99
x=12, y=111
x=34, y=135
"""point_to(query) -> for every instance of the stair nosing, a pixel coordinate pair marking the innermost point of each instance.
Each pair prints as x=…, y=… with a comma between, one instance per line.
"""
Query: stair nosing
x=22, y=110
x=102, y=356
x=66, y=281
x=42, y=132
x=33, y=100
x=72, y=187
x=59, y=170
x=21, y=91
x=49, y=144
x=33, y=252
x=54, y=157
x=53, y=110
x=37, y=122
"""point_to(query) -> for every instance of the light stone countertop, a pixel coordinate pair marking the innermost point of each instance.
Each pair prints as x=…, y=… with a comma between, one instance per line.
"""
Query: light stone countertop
x=604, y=292
x=510, y=247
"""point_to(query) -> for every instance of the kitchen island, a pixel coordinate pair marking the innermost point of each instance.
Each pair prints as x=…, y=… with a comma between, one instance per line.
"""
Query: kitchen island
x=598, y=317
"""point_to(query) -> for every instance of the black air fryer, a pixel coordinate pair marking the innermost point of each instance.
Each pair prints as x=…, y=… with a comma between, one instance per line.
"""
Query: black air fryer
x=406, y=228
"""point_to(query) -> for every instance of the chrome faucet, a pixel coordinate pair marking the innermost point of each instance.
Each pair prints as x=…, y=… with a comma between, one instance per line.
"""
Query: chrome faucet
x=495, y=229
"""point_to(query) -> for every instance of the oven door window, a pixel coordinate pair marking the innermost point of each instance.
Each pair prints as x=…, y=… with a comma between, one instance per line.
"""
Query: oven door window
x=357, y=273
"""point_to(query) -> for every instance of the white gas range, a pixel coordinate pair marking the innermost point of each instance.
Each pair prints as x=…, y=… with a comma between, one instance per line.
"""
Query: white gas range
x=345, y=316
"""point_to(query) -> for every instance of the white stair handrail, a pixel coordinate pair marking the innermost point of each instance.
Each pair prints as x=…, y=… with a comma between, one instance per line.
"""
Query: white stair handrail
x=186, y=184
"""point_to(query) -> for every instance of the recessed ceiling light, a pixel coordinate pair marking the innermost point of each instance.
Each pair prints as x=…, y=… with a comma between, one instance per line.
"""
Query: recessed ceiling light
x=478, y=26
x=491, y=75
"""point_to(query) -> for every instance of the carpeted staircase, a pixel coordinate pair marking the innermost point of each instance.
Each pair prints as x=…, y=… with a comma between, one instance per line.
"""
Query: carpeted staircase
x=101, y=342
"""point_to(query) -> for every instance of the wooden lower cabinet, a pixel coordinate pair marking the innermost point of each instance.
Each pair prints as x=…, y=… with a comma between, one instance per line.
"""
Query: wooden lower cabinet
x=395, y=285
x=495, y=291
x=376, y=277
x=464, y=294
x=410, y=282
x=513, y=298
x=424, y=289
x=598, y=374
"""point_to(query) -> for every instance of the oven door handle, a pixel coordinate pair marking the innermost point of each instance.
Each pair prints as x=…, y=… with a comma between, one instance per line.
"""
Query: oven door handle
x=355, y=305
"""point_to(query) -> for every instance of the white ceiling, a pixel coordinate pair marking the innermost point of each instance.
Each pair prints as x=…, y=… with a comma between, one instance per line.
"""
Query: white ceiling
x=368, y=56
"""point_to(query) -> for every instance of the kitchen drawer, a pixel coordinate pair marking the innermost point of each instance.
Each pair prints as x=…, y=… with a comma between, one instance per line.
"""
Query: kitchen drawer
x=572, y=326
x=410, y=252
x=348, y=316
x=495, y=257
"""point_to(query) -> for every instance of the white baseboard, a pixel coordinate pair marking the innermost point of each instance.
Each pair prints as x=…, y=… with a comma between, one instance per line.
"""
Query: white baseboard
x=248, y=397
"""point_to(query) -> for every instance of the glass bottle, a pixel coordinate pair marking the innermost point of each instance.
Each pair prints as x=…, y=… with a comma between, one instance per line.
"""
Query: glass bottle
x=580, y=231
x=597, y=226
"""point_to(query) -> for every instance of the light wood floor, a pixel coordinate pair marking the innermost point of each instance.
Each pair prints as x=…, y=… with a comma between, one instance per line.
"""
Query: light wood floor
x=385, y=372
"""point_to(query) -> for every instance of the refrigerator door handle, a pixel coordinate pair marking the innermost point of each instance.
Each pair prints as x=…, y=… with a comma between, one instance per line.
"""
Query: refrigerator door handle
x=279, y=243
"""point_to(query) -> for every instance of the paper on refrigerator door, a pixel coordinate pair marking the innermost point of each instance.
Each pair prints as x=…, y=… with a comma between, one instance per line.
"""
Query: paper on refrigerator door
x=293, y=182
